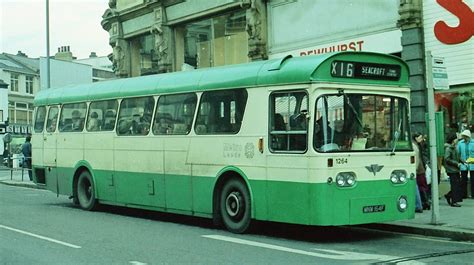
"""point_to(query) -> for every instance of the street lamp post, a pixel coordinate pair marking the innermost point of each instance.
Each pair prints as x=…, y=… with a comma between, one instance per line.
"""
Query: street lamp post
x=48, y=75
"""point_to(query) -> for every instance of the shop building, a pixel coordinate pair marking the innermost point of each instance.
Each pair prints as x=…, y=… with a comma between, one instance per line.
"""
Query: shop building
x=150, y=36
x=21, y=73
x=448, y=33
x=156, y=36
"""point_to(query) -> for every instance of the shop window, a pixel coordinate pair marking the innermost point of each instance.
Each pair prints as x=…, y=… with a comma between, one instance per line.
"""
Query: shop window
x=217, y=41
x=142, y=55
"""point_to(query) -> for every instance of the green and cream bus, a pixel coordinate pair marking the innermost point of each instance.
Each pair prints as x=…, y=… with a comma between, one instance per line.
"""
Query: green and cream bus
x=317, y=140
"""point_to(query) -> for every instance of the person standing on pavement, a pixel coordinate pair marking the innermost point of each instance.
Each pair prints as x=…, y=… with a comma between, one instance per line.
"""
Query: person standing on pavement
x=26, y=150
x=420, y=163
x=452, y=163
x=465, y=148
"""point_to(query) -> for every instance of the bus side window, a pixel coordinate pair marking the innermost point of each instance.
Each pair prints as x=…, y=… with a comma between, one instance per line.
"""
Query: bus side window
x=174, y=114
x=39, y=119
x=72, y=117
x=52, y=119
x=135, y=116
x=102, y=115
x=221, y=112
x=288, y=121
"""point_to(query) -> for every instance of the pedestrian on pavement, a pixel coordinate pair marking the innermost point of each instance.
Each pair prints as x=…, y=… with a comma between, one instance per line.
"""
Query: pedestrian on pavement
x=420, y=164
x=26, y=150
x=465, y=148
x=452, y=163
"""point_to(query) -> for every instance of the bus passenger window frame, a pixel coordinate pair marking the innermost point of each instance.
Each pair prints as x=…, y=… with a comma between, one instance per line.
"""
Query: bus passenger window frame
x=50, y=125
x=37, y=125
x=174, y=120
x=103, y=105
x=289, y=133
x=219, y=119
x=136, y=123
x=75, y=123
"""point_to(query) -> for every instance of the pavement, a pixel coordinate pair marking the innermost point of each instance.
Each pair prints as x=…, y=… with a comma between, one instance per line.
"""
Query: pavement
x=453, y=223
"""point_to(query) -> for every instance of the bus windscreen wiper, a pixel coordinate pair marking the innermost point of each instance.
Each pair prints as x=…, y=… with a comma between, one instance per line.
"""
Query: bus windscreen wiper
x=397, y=135
x=341, y=92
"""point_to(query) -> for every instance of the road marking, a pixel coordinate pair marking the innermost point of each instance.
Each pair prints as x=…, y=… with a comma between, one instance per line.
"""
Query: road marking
x=40, y=237
x=134, y=262
x=329, y=254
x=440, y=240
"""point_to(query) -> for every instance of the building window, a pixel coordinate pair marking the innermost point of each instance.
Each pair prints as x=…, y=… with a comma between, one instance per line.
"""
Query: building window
x=217, y=41
x=142, y=55
x=14, y=82
x=29, y=84
x=20, y=113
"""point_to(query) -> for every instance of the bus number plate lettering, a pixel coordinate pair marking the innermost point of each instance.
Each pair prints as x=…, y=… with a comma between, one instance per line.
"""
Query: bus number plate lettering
x=373, y=208
x=341, y=161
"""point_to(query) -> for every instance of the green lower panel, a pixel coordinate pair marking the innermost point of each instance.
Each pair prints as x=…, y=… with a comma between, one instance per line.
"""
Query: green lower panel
x=327, y=204
x=290, y=202
x=178, y=192
x=105, y=185
x=202, y=194
x=139, y=189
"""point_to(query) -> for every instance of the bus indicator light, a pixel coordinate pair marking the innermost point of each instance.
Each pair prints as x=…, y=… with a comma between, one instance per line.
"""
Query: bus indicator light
x=260, y=145
x=412, y=159
x=330, y=162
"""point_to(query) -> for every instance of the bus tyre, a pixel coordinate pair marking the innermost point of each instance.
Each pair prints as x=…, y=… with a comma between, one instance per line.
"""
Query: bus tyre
x=235, y=206
x=86, y=192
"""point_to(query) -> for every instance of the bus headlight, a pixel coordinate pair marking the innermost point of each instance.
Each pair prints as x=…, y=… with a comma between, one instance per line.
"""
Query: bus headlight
x=402, y=203
x=346, y=179
x=398, y=177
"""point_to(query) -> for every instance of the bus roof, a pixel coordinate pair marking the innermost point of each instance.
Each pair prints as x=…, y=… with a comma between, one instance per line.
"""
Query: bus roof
x=287, y=70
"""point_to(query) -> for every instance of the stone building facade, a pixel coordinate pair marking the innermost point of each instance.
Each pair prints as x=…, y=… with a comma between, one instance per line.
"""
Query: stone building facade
x=156, y=36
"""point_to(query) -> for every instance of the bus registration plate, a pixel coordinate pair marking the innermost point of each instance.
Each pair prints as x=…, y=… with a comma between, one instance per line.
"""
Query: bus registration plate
x=373, y=208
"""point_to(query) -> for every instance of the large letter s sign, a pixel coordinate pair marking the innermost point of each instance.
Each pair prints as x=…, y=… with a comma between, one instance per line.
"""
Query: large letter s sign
x=465, y=29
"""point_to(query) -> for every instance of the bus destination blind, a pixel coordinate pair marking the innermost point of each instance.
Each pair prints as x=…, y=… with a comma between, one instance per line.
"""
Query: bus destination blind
x=362, y=70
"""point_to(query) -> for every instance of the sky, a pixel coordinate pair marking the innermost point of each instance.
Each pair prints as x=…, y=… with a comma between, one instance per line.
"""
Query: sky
x=74, y=23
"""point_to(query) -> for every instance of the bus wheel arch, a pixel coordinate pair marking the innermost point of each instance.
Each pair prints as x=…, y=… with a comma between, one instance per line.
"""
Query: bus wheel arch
x=232, y=202
x=84, y=189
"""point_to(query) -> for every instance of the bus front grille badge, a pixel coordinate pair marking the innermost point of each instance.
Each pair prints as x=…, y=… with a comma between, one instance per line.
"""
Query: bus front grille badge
x=374, y=168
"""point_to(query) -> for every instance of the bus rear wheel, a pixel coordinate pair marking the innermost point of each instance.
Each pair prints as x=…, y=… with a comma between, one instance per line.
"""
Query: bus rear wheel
x=86, y=191
x=234, y=206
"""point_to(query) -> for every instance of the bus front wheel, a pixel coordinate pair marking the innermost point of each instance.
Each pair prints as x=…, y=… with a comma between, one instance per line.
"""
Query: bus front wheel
x=85, y=191
x=235, y=206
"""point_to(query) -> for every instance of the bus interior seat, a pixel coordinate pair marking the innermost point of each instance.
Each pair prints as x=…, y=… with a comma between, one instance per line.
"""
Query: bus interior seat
x=109, y=120
x=279, y=122
x=201, y=129
x=297, y=122
x=180, y=128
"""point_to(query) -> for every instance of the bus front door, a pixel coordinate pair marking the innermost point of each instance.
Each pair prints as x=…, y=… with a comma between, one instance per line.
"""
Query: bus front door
x=50, y=139
x=50, y=160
